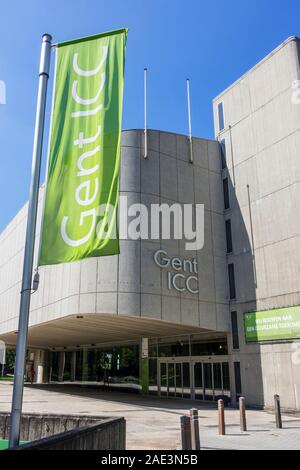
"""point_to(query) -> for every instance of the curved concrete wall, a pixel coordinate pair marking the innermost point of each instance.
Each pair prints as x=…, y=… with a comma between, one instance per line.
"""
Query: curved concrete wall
x=132, y=284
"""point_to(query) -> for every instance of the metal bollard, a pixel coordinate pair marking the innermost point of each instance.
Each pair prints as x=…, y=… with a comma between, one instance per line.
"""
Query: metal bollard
x=277, y=411
x=186, y=441
x=243, y=420
x=195, y=435
x=221, y=418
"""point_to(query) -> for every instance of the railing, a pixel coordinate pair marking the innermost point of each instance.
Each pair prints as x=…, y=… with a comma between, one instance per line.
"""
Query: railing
x=56, y=432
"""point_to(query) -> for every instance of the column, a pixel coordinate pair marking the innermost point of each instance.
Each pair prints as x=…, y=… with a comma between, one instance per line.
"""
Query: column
x=144, y=365
x=61, y=366
x=73, y=366
x=85, y=366
x=29, y=362
x=231, y=358
x=40, y=366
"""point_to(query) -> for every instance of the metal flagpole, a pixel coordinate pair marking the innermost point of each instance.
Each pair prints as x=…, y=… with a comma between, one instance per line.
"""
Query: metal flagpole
x=145, y=113
x=36, y=277
x=190, y=120
x=16, y=410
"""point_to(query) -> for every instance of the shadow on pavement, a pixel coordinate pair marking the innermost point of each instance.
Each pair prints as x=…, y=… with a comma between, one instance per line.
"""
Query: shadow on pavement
x=122, y=397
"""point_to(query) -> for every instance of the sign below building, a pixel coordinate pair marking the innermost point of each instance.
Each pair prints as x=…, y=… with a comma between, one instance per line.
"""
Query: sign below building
x=272, y=325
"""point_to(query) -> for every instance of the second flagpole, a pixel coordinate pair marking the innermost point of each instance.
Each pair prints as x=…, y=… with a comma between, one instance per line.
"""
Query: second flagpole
x=190, y=119
x=16, y=410
x=145, y=113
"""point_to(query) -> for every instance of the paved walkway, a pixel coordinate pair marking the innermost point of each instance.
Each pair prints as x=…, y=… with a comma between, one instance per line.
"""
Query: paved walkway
x=154, y=423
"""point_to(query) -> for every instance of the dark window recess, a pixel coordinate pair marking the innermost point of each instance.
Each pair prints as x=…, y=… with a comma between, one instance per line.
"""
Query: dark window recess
x=210, y=349
x=229, y=236
x=226, y=193
x=238, y=380
x=231, y=278
x=226, y=376
x=221, y=116
x=235, y=331
x=223, y=154
x=178, y=349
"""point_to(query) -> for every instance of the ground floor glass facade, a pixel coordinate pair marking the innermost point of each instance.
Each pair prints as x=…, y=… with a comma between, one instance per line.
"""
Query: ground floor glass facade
x=116, y=366
x=182, y=368
x=190, y=369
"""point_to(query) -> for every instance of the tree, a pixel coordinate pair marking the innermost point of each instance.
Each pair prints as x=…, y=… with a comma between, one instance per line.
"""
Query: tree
x=10, y=361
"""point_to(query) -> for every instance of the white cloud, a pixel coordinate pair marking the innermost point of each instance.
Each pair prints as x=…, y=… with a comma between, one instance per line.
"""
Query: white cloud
x=2, y=92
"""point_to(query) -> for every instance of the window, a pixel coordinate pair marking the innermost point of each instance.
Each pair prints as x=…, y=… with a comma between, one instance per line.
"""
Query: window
x=238, y=380
x=226, y=376
x=229, y=236
x=218, y=348
x=223, y=154
x=235, y=331
x=226, y=194
x=231, y=277
x=221, y=116
x=178, y=349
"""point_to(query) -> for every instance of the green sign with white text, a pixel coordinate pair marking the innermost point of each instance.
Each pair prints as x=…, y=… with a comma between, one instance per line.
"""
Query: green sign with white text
x=81, y=207
x=272, y=325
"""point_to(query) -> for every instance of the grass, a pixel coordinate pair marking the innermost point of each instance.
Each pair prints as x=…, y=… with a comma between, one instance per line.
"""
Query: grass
x=7, y=378
x=4, y=444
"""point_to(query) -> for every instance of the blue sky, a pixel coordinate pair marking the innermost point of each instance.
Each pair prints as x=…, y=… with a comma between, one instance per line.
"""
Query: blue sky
x=211, y=42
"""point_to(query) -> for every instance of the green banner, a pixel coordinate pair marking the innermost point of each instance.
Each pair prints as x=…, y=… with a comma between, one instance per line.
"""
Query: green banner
x=81, y=206
x=272, y=325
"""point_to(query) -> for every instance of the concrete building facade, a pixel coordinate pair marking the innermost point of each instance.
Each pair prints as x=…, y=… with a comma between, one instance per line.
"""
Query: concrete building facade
x=168, y=321
x=261, y=134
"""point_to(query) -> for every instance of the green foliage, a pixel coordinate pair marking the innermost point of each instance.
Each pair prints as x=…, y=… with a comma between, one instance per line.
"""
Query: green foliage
x=10, y=361
x=128, y=357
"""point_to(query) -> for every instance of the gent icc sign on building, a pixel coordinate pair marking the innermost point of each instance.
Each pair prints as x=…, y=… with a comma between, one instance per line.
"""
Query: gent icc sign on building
x=185, y=277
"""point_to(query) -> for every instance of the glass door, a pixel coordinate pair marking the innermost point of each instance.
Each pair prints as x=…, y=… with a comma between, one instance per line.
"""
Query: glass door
x=198, y=380
x=202, y=378
x=175, y=379
x=178, y=380
x=211, y=380
x=171, y=380
x=163, y=380
x=208, y=382
x=186, y=380
x=226, y=379
x=218, y=380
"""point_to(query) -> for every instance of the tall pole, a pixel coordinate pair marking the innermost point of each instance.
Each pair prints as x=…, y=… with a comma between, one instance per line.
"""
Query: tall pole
x=16, y=410
x=190, y=120
x=145, y=113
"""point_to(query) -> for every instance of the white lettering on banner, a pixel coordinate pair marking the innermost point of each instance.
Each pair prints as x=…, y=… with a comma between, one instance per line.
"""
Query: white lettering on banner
x=88, y=199
x=83, y=193
x=88, y=101
x=87, y=140
x=181, y=282
x=76, y=243
x=90, y=112
x=90, y=73
x=89, y=171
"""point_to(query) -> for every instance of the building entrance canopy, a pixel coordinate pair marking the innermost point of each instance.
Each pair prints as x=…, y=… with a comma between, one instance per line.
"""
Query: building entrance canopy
x=81, y=330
